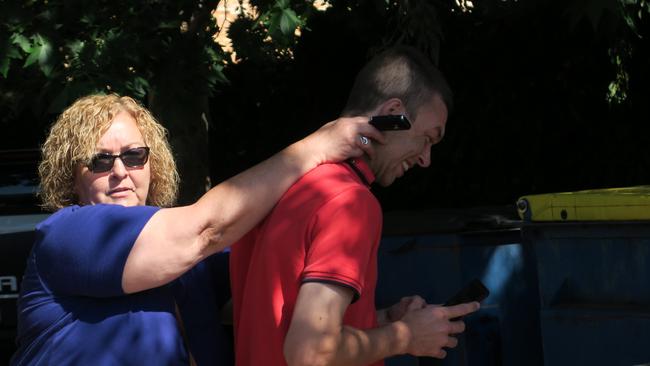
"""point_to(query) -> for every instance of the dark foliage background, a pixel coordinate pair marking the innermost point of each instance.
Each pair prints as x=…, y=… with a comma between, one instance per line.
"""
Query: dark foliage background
x=549, y=95
x=531, y=110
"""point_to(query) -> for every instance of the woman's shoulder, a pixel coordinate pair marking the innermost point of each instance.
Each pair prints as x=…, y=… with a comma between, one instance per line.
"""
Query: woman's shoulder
x=76, y=216
x=60, y=214
x=85, y=231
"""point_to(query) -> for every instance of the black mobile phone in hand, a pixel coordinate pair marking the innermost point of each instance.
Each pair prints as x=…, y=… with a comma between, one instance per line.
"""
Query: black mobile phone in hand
x=474, y=291
x=390, y=122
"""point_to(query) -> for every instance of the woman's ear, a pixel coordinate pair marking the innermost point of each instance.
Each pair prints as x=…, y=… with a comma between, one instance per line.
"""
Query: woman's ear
x=392, y=106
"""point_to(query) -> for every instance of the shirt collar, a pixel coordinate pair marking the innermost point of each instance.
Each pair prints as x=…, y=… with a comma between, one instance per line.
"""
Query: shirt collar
x=362, y=170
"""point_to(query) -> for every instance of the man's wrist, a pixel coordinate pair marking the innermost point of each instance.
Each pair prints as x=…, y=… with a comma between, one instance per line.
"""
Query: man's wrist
x=382, y=317
x=401, y=337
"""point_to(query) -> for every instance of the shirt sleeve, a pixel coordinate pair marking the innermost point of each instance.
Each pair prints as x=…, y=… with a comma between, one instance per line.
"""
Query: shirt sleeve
x=83, y=251
x=345, y=235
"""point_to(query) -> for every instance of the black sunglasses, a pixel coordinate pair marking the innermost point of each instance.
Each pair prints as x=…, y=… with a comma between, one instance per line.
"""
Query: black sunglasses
x=131, y=158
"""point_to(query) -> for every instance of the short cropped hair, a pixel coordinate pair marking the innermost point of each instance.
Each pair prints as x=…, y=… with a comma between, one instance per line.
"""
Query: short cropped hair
x=398, y=72
x=73, y=140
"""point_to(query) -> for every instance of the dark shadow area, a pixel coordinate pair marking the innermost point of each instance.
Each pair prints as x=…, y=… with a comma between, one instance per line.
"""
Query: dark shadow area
x=530, y=115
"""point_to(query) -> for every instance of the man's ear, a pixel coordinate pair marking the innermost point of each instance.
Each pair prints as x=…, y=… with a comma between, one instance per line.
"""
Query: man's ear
x=392, y=106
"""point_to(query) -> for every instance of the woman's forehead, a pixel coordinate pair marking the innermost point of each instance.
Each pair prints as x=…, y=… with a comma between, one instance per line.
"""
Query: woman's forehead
x=122, y=130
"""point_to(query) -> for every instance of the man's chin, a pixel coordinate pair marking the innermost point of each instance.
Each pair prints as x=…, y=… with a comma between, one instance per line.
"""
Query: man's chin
x=385, y=182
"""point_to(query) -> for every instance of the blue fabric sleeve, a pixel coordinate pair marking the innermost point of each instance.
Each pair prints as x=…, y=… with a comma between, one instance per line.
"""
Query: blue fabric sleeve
x=83, y=250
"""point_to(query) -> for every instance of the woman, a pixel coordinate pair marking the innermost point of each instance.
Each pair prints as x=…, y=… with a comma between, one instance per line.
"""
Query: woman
x=95, y=288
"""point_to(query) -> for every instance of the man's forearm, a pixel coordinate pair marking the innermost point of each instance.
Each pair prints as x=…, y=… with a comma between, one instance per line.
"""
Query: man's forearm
x=351, y=346
x=363, y=347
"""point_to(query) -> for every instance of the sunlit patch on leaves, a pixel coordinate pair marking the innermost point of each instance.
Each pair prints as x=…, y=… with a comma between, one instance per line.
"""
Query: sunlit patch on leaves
x=322, y=5
x=618, y=22
x=618, y=88
x=281, y=22
x=465, y=6
x=632, y=13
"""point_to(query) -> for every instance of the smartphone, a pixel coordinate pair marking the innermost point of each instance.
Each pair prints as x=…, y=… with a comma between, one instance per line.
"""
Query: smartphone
x=474, y=291
x=390, y=122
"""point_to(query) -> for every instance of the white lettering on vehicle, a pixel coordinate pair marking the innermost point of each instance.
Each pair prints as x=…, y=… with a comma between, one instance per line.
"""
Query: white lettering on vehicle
x=8, y=287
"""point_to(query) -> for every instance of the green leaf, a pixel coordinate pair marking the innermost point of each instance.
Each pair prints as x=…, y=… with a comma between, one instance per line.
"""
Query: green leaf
x=12, y=52
x=175, y=24
x=274, y=24
x=22, y=41
x=4, y=66
x=87, y=19
x=45, y=56
x=282, y=4
x=216, y=76
x=33, y=56
x=288, y=22
x=76, y=46
x=41, y=51
x=138, y=86
x=7, y=52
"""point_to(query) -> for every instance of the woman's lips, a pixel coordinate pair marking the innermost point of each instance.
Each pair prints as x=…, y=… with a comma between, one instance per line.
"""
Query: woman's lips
x=119, y=191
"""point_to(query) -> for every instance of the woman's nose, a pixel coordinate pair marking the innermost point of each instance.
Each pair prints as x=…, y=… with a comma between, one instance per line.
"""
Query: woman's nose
x=119, y=170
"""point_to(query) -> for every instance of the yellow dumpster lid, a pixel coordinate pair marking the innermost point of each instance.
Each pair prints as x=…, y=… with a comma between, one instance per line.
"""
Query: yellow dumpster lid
x=629, y=203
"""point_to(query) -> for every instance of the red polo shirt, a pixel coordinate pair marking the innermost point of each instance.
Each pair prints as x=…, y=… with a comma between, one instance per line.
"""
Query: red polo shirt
x=326, y=227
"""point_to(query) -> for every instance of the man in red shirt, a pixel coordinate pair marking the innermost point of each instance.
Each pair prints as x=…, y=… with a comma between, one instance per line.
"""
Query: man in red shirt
x=304, y=279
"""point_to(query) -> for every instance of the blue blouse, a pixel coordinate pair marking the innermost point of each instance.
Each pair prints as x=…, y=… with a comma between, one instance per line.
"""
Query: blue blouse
x=72, y=309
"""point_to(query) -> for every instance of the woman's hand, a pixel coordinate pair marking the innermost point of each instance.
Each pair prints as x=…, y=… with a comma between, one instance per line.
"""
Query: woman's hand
x=342, y=139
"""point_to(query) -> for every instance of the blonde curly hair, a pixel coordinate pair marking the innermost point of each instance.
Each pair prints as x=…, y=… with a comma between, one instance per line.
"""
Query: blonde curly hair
x=73, y=140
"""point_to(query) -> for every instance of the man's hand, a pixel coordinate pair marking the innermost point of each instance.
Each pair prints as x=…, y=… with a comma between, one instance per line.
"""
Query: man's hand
x=398, y=310
x=341, y=139
x=429, y=330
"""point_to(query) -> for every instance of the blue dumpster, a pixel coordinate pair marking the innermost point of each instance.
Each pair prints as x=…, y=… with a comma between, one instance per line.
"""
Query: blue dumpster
x=594, y=283
x=434, y=254
x=593, y=258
